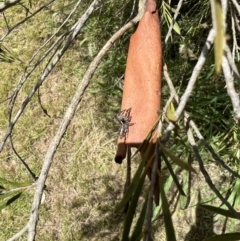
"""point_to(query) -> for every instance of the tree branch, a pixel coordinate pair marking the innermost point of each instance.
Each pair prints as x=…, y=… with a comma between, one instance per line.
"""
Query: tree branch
x=173, y=20
x=207, y=177
x=230, y=88
x=8, y=4
x=192, y=81
x=19, y=234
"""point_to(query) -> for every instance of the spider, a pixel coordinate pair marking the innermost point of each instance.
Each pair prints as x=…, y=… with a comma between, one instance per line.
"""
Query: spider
x=124, y=119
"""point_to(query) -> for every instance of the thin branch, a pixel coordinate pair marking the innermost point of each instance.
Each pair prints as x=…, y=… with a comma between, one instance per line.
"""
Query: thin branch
x=237, y=6
x=8, y=4
x=68, y=117
x=232, y=63
x=196, y=71
x=234, y=35
x=18, y=189
x=22, y=161
x=236, y=21
x=230, y=88
x=173, y=20
x=19, y=234
x=5, y=20
x=207, y=177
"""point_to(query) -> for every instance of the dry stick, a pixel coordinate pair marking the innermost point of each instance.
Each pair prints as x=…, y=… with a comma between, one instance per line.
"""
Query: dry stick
x=8, y=4
x=21, y=159
x=19, y=234
x=207, y=177
x=192, y=81
x=234, y=36
x=237, y=6
x=236, y=21
x=174, y=20
x=230, y=88
x=66, y=121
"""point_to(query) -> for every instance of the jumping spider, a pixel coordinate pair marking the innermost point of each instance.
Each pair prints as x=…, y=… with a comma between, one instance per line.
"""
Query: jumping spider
x=124, y=119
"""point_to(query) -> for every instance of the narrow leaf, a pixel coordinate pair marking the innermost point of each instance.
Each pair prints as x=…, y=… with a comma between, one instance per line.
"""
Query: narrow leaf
x=133, y=206
x=167, y=187
x=224, y=237
x=177, y=160
x=15, y=184
x=137, y=233
x=170, y=232
x=134, y=182
x=6, y=195
x=2, y=206
x=220, y=211
x=179, y=187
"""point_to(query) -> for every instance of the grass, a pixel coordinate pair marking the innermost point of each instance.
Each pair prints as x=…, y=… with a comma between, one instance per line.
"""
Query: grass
x=84, y=183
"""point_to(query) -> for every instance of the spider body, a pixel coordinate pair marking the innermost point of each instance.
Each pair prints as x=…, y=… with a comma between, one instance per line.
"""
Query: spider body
x=124, y=119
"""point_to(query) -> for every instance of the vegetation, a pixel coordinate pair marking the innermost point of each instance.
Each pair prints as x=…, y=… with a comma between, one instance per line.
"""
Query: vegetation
x=84, y=186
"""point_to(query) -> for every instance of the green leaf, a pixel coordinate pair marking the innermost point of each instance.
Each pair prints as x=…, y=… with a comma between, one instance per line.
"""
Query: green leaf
x=176, y=27
x=11, y=200
x=170, y=232
x=167, y=187
x=133, y=205
x=137, y=233
x=179, y=187
x=135, y=181
x=224, y=237
x=170, y=113
x=9, y=194
x=14, y=184
x=220, y=211
x=177, y=160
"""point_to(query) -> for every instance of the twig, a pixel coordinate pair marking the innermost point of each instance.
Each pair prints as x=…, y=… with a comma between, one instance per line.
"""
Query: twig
x=19, y=234
x=18, y=189
x=173, y=20
x=232, y=63
x=192, y=81
x=22, y=161
x=8, y=4
x=234, y=35
x=207, y=177
x=68, y=117
x=237, y=6
x=230, y=88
